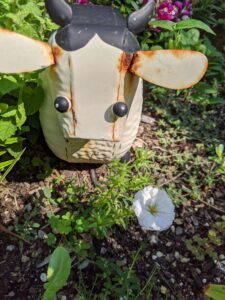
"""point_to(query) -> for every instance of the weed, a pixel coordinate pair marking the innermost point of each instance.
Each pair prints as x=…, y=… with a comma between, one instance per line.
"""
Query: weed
x=202, y=247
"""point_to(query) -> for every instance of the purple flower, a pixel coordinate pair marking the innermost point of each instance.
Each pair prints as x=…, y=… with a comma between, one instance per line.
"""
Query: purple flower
x=184, y=10
x=166, y=11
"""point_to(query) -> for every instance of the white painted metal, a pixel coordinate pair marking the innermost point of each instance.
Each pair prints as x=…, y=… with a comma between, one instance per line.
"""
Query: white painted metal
x=21, y=54
x=174, y=69
x=91, y=79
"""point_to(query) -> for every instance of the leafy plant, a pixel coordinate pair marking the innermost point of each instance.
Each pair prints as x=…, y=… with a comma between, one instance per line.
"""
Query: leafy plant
x=58, y=272
x=20, y=95
x=201, y=247
x=109, y=204
x=215, y=291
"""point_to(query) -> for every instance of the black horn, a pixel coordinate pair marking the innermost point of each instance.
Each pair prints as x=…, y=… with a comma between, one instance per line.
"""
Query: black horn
x=59, y=11
x=139, y=19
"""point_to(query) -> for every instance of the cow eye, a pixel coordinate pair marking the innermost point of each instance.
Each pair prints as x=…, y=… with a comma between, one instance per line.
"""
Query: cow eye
x=62, y=104
x=120, y=109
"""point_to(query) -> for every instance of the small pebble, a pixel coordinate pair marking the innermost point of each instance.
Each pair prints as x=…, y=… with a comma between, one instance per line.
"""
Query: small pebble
x=163, y=289
x=25, y=259
x=63, y=297
x=154, y=257
x=185, y=260
x=103, y=251
x=159, y=254
x=178, y=221
x=172, y=228
x=147, y=253
x=179, y=230
x=11, y=294
x=204, y=280
x=154, y=239
x=10, y=248
x=172, y=280
x=221, y=257
x=41, y=234
x=43, y=277
x=177, y=255
x=169, y=244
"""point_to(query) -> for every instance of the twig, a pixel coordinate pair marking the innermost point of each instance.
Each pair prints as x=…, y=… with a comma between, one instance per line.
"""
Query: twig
x=5, y=230
x=93, y=177
x=174, y=178
x=212, y=206
x=167, y=283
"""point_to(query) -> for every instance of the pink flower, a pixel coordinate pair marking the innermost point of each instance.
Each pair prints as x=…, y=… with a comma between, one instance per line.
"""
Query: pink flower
x=167, y=11
x=82, y=1
x=174, y=11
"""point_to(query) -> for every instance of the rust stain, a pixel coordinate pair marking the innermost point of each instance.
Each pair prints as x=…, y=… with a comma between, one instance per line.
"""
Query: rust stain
x=57, y=53
x=149, y=54
x=123, y=67
x=124, y=62
x=72, y=99
x=52, y=72
x=135, y=63
x=114, y=130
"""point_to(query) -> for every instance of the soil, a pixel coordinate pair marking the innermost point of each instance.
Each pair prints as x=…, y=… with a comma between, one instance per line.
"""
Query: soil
x=181, y=276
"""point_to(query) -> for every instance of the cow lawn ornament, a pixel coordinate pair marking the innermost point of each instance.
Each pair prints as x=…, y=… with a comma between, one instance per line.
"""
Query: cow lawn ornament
x=93, y=83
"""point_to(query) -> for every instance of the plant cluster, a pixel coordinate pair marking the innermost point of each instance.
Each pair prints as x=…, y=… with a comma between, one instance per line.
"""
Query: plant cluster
x=201, y=247
x=109, y=204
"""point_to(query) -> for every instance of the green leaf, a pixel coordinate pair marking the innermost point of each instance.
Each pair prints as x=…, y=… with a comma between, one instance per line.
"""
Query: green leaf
x=15, y=149
x=11, y=112
x=215, y=291
x=47, y=192
x=8, y=84
x=192, y=23
x=12, y=165
x=168, y=25
x=5, y=164
x=3, y=107
x=219, y=150
x=7, y=129
x=58, y=272
x=20, y=115
x=2, y=152
x=13, y=140
x=33, y=102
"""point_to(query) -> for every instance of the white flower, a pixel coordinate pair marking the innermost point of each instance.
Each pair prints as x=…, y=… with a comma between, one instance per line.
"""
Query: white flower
x=154, y=209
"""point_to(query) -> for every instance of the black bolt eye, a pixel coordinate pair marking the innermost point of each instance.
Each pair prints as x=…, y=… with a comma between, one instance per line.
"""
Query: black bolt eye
x=62, y=104
x=120, y=109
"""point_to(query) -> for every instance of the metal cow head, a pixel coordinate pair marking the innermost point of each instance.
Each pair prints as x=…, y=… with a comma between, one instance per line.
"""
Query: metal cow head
x=93, y=86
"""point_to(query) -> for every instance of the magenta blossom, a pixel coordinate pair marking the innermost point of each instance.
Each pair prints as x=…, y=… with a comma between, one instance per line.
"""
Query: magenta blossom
x=166, y=11
x=82, y=1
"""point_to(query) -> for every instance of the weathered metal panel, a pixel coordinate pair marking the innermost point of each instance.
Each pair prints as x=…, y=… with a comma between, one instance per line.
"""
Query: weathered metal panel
x=21, y=54
x=174, y=69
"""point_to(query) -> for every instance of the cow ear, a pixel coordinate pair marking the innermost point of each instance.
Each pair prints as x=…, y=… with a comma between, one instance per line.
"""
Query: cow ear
x=19, y=54
x=174, y=69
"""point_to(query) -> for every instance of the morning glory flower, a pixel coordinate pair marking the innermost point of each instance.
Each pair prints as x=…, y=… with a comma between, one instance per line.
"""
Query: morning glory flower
x=154, y=209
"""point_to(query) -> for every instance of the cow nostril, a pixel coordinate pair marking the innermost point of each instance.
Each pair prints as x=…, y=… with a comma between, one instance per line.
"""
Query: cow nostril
x=62, y=104
x=120, y=109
